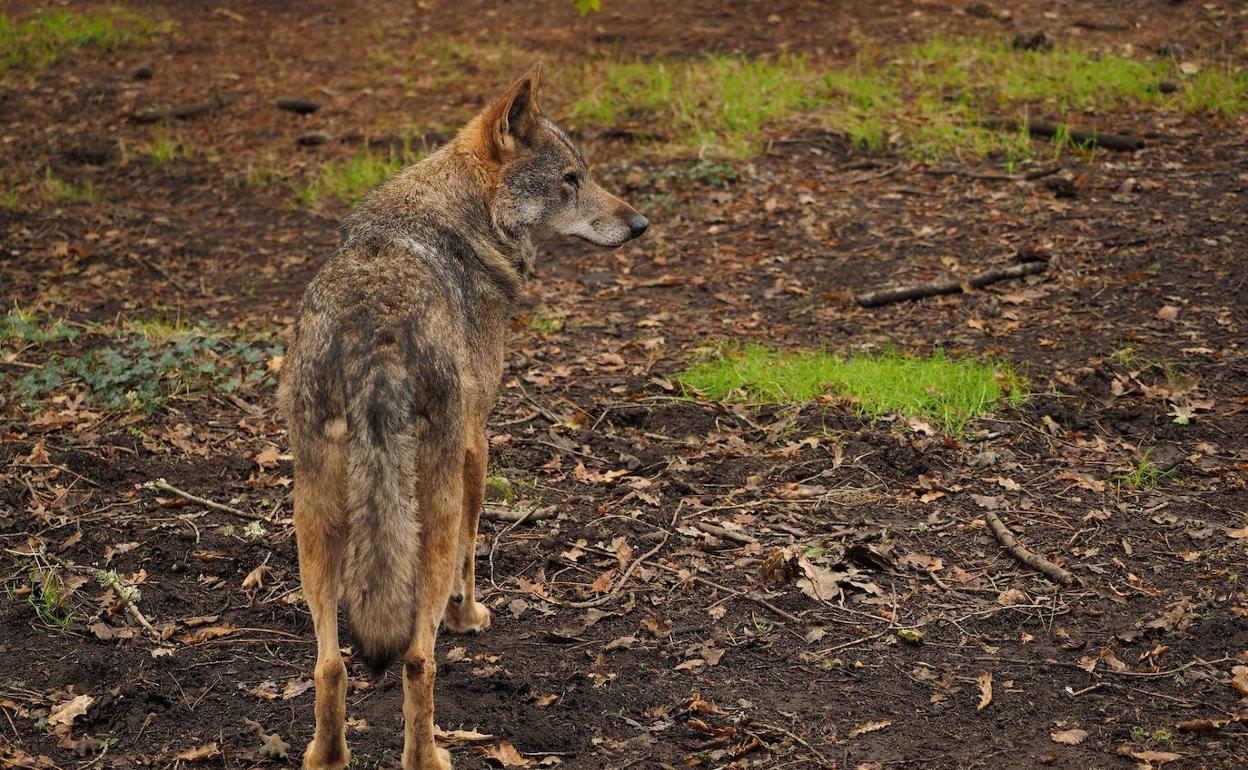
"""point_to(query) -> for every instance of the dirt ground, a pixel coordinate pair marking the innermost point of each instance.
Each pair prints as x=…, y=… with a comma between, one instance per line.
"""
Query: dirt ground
x=1132, y=340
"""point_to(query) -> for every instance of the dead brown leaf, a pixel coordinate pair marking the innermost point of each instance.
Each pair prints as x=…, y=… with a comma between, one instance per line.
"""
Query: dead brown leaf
x=1072, y=737
x=503, y=755
x=985, y=690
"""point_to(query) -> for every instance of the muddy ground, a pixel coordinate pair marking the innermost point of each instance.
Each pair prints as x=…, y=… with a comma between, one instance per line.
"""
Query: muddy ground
x=1132, y=340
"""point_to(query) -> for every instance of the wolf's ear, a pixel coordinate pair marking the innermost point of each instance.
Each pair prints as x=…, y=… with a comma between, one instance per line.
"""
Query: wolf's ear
x=514, y=118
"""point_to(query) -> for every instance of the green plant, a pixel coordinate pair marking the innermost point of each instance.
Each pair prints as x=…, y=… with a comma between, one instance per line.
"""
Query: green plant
x=59, y=189
x=1142, y=473
x=143, y=370
x=163, y=149
x=952, y=391
x=48, y=37
x=49, y=601
x=347, y=180
x=19, y=326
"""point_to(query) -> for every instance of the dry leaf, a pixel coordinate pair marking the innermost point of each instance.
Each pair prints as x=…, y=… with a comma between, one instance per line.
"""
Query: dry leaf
x=1239, y=679
x=458, y=737
x=869, y=727
x=1011, y=596
x=268, y=457
x=985, y=690
x=296, y=687
x=198, y=753
x=274, y=747
x=65, y=713
x=1069, y=737
x=503, y=755
x=255, y=578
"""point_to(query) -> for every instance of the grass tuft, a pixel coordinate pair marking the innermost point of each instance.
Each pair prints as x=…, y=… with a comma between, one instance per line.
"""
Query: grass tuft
x=345, y=181
x=929, y=100
x=951, y=391
x=49, y=37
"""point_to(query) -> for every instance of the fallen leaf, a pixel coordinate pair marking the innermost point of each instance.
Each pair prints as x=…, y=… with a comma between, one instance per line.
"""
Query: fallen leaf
x=198, y=753
x=296, y=687
x=458, y=737
x=65, y=713
x=1072, y=737
x=255, y=578
x=985, y=690
x=274, y=747
x=268, y=457
x=503, y=755
x=869, y=727
x=1239, y=679
x=1010, y=597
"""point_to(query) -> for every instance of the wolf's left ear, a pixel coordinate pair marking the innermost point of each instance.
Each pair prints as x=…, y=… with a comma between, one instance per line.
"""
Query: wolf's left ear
x=514, y=118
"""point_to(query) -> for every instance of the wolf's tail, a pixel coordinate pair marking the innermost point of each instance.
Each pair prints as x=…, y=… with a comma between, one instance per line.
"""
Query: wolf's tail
x=379, y=567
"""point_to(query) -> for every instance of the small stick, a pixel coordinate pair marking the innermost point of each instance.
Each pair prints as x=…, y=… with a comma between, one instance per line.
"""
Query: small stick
x=1024, y=554
x=601, y=600
x=165, y=486
x=1120, y=142
x=138, y=615
x=824, y=762
x=186, y=110
x=919, y=291
x=727, y=534
x=506, y=516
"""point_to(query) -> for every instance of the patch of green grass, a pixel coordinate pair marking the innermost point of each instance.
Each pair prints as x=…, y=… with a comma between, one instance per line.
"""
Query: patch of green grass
x=143, y=367
x=1143, y=473
x=1216, y=92
x=48, y=37
x=20, y=326
x=49, y=602
x=11, y=199
x=543, y=321
x=951, y=391
x=1145, y=735
x=163, y=149
x=718, y=101
x=931, y=100
x=347, y=180
x=64, y=191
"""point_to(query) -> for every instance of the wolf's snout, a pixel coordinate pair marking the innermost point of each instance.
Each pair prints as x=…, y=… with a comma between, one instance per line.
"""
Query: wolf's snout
x=637, y=225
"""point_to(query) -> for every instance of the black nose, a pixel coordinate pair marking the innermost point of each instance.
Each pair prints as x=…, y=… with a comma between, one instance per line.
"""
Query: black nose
x=637, y=225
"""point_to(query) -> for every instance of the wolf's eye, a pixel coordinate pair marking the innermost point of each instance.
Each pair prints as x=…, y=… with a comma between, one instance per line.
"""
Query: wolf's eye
x=572, y=179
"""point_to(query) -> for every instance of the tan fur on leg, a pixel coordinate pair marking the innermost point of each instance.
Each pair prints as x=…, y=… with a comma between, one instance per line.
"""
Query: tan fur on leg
x=464, y=614
x=319, y=522
x=441, y=505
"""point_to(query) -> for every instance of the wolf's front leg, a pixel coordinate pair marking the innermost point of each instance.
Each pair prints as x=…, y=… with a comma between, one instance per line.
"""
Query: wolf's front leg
x=464, y=614
x=441, y=500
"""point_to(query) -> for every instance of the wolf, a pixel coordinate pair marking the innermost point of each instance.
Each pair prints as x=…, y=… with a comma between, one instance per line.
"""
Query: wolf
x=395, y=362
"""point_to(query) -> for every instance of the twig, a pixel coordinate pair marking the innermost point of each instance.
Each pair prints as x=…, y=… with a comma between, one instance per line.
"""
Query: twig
x=823, y=761
x=506, y=516
x=138, y=615
x=601, y=600
x=919, y=291
x=1024, y=554
x=186, y=110
x=1030, y=176
x=165, y=486
x=727, y=534
x=1121, y=142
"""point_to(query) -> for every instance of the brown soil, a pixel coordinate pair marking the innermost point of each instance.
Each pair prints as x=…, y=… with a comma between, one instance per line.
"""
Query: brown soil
x=675, y=673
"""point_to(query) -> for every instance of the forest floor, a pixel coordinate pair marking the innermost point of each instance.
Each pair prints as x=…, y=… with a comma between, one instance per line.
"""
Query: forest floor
x=819, y=588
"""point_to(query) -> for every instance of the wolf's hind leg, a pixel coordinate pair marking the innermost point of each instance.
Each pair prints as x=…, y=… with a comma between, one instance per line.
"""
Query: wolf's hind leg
x=320, y=529
x=464, y=614
x=441, y=504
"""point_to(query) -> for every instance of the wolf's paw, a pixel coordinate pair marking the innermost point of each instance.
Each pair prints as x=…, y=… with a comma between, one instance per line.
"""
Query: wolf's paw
x=466, y=618
x=329, y=758
x=439, y=759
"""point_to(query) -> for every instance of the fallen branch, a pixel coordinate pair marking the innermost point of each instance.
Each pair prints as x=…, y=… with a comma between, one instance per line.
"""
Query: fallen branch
x=919, y=291
x=1120, y=142
x=1025, y=555
x=186, y=110
x=507, y=516
x=164, y=486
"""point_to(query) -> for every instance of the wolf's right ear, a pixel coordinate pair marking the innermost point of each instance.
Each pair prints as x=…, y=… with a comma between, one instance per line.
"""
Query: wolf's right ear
x=513, y=119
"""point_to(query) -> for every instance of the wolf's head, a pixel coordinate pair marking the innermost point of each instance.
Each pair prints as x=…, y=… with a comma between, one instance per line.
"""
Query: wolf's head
x=540, y=178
